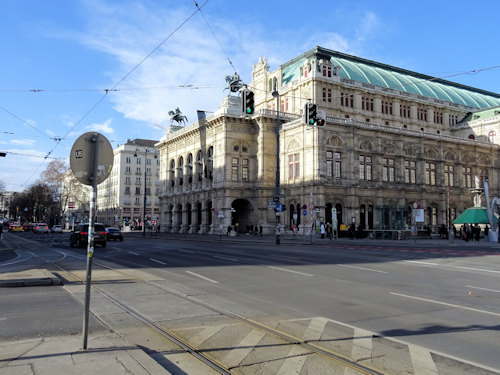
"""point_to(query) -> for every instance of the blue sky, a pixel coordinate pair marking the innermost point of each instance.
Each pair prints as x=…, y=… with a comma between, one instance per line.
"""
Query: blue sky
x=73, y=50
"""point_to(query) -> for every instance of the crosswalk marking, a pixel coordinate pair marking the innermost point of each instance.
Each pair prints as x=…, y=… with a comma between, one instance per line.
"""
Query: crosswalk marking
x=297, y=355
x=204, y=335
x=240, y=351
x=423, y=363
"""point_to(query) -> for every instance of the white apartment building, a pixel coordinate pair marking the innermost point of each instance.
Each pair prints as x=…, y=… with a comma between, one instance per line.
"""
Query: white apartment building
x=131, y=190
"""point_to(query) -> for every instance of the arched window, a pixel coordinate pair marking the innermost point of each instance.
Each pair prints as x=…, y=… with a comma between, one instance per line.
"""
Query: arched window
x=180, y=166
x=190, y=168
x=199, y=166
x=471, y=136
x=210, y=163
x=172, y=172
x=492, y=136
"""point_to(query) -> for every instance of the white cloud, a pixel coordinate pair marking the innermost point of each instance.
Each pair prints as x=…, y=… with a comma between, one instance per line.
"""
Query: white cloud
x=23, y=142
x=129, y=31
x=104, y=127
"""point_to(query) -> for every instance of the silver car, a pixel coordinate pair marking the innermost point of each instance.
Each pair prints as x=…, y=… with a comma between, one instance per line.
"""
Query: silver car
x=40, y=228
x=56, y=229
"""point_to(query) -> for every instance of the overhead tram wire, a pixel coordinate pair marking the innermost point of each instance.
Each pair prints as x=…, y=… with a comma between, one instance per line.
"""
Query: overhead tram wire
x=135, y=68
x=117, y=84
x=25, y=122
x=215, y=36
x=180, y=86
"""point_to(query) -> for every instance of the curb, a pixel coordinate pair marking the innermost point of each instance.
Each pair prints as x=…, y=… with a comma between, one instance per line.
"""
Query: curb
x=36, y=277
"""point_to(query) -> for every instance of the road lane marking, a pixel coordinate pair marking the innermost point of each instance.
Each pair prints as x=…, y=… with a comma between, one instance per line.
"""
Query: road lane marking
x=360, y=268
x=286, y=270
x=202, y=277
x=420, y=262
x=187, y=251
x=131, y=252
x=157, y=261
x=445, y=304
x=489, y=290
x=475, y=269
x=230, y=259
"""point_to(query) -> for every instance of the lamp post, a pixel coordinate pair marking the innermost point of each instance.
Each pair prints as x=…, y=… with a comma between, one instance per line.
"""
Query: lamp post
x=277, y=191
x=144, y=217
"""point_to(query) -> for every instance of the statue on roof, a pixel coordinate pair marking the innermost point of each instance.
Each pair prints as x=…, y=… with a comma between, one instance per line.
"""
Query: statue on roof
x=234, y=83
x=177, y=116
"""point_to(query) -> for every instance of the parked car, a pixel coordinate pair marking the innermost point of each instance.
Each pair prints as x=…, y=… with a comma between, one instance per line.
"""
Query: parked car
x=114, y=234
x=79, y=236
x=28, y=227
x=40, y=228
x=15, y=226
x=56, y=229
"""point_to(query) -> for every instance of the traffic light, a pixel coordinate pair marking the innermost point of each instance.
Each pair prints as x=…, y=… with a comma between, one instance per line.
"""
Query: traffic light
x=311, y=111
x=247, y=102
x=321, y=119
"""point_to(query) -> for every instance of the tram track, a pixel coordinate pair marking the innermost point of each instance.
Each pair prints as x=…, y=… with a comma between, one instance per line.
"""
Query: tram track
x=201, y=354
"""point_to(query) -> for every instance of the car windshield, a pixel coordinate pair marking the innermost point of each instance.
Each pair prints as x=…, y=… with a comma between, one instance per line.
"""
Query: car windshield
x=113, y=230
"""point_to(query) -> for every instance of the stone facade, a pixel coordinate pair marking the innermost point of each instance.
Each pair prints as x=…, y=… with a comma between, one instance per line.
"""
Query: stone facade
x=409, y=138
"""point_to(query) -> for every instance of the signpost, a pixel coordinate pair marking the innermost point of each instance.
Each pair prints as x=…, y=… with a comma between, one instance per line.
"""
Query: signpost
x=91, y=161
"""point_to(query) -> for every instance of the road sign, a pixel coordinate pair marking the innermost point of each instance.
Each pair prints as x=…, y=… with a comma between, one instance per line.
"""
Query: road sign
x=83, y=154
x=71, y=204
x=311, y=206
x=304, y=212
x=279, y=207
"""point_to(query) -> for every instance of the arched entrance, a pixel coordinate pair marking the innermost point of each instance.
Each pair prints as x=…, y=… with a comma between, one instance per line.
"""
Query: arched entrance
x=198, y=217
x=242, y=215
x=178, y=218
x=340, y=221
x=294, y=209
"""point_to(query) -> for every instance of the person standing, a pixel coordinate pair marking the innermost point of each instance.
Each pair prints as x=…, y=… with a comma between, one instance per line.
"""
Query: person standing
x=322, y=230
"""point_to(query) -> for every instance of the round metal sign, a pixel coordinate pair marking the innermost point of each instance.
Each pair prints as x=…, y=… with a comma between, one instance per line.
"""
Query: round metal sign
x=82, y=156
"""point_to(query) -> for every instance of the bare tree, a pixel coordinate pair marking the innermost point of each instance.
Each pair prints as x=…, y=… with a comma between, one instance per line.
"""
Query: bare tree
x=53, y=177
x=2, y=186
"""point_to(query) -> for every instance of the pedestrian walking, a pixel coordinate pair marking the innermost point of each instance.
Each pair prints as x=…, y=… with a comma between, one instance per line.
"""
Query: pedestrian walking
x=260, y=230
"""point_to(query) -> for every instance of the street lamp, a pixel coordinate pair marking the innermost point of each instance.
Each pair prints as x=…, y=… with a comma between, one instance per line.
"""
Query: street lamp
x=277, y=191
x=144, y=218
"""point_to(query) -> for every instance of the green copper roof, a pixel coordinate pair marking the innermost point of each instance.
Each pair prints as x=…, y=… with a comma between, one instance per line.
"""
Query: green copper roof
x=482, y=115
x=371, y=72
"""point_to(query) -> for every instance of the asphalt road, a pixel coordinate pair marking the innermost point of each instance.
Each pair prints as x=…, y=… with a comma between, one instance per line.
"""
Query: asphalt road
x=445, y=298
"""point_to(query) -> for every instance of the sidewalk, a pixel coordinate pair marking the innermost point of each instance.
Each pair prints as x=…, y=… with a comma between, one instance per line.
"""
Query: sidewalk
x=300, y=239
x=110, y=354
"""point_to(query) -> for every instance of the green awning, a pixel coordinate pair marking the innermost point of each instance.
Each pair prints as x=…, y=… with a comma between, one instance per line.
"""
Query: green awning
x=473, y=215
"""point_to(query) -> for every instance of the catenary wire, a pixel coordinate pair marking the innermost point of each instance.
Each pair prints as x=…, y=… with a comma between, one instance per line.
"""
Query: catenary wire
x=215, y=36
x=115, y=86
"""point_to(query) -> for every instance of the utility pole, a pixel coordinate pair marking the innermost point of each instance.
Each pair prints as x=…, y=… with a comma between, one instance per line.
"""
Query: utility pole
x=277, y=192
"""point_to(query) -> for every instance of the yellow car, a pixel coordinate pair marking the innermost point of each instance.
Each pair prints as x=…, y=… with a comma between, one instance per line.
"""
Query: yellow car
x=15, y=227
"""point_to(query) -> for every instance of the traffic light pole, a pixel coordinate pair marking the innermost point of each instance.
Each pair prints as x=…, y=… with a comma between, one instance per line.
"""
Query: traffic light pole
x=277, y=192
